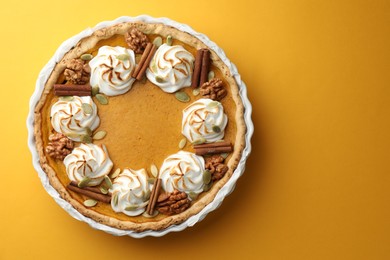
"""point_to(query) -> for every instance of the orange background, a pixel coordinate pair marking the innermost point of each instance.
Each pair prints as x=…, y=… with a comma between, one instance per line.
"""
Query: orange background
x=317, y=182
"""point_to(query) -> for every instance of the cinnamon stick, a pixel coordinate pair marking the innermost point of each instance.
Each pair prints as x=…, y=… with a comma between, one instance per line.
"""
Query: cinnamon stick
x=205, y=67
x=216, y=144
x=197, y=68
x=72, y=90
x=213, y=148
x=153, y=197
x=91, y=194
x=93, y=189
x=146, y=63
x=143, y=59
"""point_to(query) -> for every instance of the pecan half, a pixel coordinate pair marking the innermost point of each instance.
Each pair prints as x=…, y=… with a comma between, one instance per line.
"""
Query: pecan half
x=216, y=167
x=59, y=146
x=172, y=203
x=213, y=89
x=136, y=40
x=77, y=71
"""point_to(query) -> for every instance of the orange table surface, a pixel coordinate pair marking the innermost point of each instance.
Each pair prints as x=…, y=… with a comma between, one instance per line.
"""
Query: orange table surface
x=317, y=184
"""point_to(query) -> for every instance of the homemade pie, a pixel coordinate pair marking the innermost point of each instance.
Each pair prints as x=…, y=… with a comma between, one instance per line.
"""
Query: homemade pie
x=139, y=126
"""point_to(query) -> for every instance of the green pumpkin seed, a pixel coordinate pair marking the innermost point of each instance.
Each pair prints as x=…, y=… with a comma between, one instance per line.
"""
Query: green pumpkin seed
x=66, y=98
x=95, y=90
x=123, y=57
x=216, y=129
x=102, y=99
x=108, y=181
x=213, y=104
x=159, y=79
x=88, y=131
x=154, y=170
x=201, y=140
x=99, y=135
x=192, y=195
x=103, y=190
x=207, y=187
x=169, y=40
x=211, y=75
x=224, y=155
x=196, y=91
x=153, y=66
x=73, y=135
x=206, y=176
x=86, y=57
x=147, y=195
x=87, y=108
x=115, y=199
x=157, y=41
x=90, y=203
x=84, y=182
x=115, y=173
x=182, y=143
x=182, y=96
x=131, y=207
x=146, y=215
x=151, y=180
x=86, y=139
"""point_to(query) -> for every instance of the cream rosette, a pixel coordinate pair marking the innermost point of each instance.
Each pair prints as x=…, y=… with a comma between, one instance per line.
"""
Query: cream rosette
x=88, y=162
x=111, y=70
x=204, y=121
x=130, y=192
x=183, y=171
x=171, y=68
x=69, y=118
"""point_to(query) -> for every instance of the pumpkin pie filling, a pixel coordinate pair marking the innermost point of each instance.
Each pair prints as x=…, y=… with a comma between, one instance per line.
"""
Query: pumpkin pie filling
x=143, y=127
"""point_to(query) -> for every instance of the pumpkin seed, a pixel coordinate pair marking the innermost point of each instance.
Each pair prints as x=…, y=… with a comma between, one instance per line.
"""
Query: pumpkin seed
x=196, y=91
x=154, y=170
x=99, y=135
x=87, y=108
x=95, y=90
x=224, y=155
x=108, y=181
x=123, y=57
x=169, y=40
x=86, y=57
x=73, y=135
x=115, y=199
x=182, y=143
x=102, y=99
x=159, y=79
x=192, y=195
x=206, y=176
x=220, y=141
x=207, y=187
x=90, y=203
x=66, y=98
x=88, y=130
x=84, y=182
x=115, y=173
x=86, y=139
x=147, y=195
x=211, y=75
x=157, y=41
x=153, y=66
x=182, y=96
x=216, y=129
x=146, y=215
x=151, y=180
x=213, y=104
x=201, y=140
x=131, y=207
x=103, y=190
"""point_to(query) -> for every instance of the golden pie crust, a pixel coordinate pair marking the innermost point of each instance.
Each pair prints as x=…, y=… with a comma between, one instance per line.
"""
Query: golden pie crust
x=56, y=173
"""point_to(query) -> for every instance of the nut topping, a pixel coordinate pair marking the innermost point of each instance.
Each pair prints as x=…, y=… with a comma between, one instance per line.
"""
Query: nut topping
x=172, y=203
x=216, y=167
x=59, y=146
x=136, y=40
x=213, y=89
x=77, y=71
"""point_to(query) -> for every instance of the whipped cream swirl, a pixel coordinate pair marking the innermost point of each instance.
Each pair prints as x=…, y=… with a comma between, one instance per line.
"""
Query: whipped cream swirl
x=183, y=171
x=204, y=121
x=130, y=192
x=69, y=118
x=171, y=68
x=111, y=70
x=88, y=161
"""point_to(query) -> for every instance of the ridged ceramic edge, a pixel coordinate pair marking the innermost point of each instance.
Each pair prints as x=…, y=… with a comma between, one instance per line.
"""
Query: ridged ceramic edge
x=222, y=193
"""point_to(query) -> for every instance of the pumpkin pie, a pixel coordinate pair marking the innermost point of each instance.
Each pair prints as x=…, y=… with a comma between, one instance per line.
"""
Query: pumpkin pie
x=139, y=126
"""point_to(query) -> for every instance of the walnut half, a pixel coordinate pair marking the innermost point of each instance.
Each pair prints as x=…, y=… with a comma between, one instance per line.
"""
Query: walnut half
x=77, y=71
x=59, y=146
x=172, y=203
x=213, y=89
x=216, y=167
x=136, y=40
